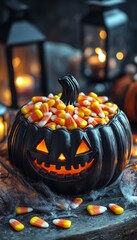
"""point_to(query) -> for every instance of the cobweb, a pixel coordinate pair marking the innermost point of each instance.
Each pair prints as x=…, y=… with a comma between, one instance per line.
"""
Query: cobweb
x=128, y=183
x=17, y=190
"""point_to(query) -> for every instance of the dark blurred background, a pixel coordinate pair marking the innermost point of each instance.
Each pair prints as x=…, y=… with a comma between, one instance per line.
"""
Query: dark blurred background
x=59, y=19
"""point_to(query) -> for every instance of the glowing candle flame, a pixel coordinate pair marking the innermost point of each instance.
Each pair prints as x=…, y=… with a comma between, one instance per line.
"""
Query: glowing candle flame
x=25, y=84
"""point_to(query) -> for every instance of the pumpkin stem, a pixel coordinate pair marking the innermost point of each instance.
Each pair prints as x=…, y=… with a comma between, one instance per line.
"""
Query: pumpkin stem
x=70, y=89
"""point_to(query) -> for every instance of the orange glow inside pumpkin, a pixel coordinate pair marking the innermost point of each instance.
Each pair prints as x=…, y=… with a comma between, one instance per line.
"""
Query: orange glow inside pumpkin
x=42, y=147
x=63, y=170
x=83, y=148
x=61, y=157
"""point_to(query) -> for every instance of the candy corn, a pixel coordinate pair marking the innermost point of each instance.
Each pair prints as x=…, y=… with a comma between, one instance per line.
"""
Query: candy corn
x=92, y=121
x=45, y=119
x=59, y=113
x=76, y=203
x=88, y=111
x=38, y=222
x=97, y=109
x=51, y=102
x=44, y=108
x=16, y=225
x=116, y=208
x=79, y=111
x=51, y=125
x=35, y=115
x=94, y=95
x=60, y=104
x=110, y=109
x=39, y=99
x=70, y=122
x=84, y=97
x=80, y=121
x=22, y=210
x=70, y=109
x=37, y=105
x=102, y=99
x=94, y=210
x=63, y=223
x=58, y=120
x=26, y=108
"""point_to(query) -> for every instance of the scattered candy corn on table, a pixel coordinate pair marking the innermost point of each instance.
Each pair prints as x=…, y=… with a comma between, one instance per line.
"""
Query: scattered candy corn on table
x=89, y=222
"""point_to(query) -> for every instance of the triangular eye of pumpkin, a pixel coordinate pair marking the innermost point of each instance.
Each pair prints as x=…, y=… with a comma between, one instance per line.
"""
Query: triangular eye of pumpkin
x=83, y=148
x=42, y=147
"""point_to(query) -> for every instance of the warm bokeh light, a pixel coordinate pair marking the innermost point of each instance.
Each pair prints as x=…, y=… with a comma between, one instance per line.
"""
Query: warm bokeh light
x=101, y=54
x=16, y=62
x=120, y=55
x=88, y=52
x=24, y=84
x=2, y=130
x=7, y=97
x=103, y=34
x=102, y=57
x=35, y=68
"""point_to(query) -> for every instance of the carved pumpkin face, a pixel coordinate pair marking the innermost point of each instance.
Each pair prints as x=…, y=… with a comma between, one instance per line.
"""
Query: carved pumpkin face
x=53, y=154
x=71, y=162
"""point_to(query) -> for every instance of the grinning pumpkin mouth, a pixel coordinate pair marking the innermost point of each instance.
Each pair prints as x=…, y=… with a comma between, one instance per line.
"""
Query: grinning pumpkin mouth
x=63, y=171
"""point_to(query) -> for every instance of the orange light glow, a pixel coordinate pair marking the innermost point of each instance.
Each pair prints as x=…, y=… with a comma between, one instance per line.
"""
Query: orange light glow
x=16, y=62
x=103, y=34
x=2, y=130
x=83, y=148
x=63, y=169
x=24, y=83
x=42, y=147
x=61, y=157
x=7, y=97
x=120, y=55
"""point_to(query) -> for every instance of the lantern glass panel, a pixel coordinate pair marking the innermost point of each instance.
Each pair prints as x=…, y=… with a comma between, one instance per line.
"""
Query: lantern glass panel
x=94, y=51
x=27, y=72
x=5, y=94
x=116, y=51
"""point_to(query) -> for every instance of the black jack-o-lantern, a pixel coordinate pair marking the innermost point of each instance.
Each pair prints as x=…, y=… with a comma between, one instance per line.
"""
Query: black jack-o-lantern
x=71, y=161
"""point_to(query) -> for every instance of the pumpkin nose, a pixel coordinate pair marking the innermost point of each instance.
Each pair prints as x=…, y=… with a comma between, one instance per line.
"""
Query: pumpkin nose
x=61, y=157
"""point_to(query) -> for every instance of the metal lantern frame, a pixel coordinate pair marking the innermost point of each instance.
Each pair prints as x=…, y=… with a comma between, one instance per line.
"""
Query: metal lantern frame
x=4, y=122
x=105, y=15
x=18, y=31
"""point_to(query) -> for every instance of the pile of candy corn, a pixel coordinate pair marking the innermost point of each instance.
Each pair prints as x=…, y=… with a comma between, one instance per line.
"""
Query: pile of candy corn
x=88, y=111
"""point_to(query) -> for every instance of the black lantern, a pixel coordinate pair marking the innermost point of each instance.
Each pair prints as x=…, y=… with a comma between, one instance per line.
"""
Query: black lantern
x=103, y=41
x=22, y=58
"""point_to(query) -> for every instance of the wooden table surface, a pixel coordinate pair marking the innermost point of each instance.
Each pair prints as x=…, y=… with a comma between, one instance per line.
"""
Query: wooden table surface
x=84, y=227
